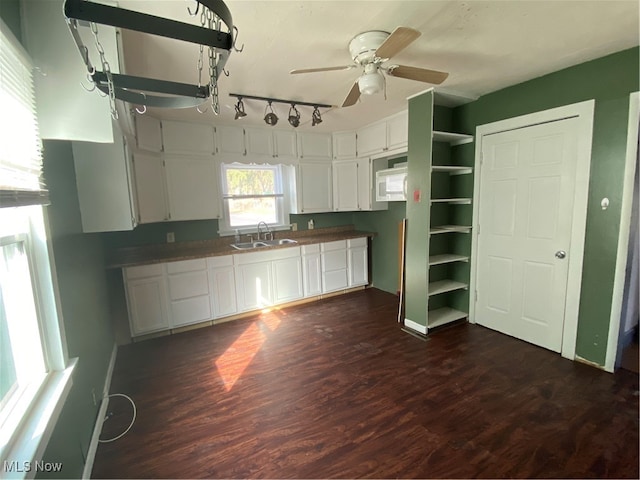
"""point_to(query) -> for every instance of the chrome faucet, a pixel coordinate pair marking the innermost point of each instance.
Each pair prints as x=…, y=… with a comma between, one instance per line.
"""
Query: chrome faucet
x=268, y=233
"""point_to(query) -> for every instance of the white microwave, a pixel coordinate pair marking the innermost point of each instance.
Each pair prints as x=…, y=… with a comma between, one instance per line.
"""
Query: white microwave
x=391, y=184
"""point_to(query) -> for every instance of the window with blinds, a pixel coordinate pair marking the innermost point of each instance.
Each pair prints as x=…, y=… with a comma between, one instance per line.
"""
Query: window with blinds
x=21, y=181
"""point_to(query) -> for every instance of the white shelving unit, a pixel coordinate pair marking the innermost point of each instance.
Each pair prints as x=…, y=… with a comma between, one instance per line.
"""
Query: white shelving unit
x=447, y=258
x=442, y=316
x=450, y=229
x=452, y=201
x=444, y=286
x=452, y=138
x=451, y=169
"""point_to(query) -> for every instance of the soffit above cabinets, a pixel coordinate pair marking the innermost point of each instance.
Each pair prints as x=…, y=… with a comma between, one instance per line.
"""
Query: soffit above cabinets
x=484, y=45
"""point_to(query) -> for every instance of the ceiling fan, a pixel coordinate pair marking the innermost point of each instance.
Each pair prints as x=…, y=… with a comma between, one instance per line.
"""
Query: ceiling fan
x=369, y=51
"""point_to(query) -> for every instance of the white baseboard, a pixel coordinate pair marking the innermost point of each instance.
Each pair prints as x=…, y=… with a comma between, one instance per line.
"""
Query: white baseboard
x=415, y=326
x=102, y=413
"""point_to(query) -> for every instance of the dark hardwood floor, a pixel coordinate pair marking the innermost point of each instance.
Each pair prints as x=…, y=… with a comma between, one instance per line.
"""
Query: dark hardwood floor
x=334, y=389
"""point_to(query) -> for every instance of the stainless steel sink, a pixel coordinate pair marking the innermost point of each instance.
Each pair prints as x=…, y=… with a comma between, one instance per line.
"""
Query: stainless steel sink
x=262, y=243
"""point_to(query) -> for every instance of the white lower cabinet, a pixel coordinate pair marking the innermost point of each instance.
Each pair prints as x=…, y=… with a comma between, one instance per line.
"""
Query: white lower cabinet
x=222, y=286
x=358, y=262
x=188, y=284
x=311, y=270
x=174, y=294
x=334, y=266
x=146, y=290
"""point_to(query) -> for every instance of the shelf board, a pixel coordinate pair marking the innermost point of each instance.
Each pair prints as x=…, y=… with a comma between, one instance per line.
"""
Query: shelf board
x=444, y=286
x=452, y=201
x=450, y=229
x=452, y=138
x=447, y=258
x=445, y=315
x=451, y=169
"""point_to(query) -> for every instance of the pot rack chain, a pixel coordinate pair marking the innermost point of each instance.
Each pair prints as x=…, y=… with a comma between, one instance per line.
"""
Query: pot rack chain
x=106, y=68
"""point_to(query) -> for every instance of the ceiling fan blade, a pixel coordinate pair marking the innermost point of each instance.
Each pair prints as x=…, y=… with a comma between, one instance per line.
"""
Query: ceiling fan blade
x=322, y=69
x=352, y=96
x=400, y=38
x=419, y=74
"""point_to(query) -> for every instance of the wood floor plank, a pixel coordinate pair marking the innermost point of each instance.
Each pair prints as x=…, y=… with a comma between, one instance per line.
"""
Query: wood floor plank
x=335, y=389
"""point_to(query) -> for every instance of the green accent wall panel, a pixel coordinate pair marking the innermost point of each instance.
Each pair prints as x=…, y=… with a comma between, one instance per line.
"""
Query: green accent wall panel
x=419, y=180
x=609, y=80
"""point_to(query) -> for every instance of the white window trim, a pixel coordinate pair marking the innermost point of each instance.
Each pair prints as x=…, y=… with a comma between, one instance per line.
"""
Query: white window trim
x=283, y=202
x=28, y=441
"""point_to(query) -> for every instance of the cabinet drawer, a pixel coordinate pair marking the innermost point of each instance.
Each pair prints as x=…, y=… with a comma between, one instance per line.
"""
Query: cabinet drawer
x=143, y=271
x=191, y=310
x=337, y=245
x=335, y=260
x=189, y=284
x=357, y=242
x=309, y=249
x=187, y=265
x=221, y=261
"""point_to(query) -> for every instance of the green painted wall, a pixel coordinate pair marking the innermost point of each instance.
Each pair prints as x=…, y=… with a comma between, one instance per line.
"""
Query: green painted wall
x=608, y=80
x=84, y=299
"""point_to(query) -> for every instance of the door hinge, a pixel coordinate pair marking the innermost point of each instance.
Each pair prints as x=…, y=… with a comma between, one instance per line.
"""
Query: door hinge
x=476, y=295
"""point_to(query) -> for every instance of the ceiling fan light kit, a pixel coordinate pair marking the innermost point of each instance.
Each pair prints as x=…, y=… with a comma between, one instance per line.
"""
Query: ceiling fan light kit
x=369, y=51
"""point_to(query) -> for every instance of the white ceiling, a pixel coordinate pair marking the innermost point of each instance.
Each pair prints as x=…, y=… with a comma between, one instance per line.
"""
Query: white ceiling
x=484, y=45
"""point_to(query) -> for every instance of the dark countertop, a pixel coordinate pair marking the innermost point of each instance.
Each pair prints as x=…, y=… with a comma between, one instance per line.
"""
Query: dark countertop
x=170, y=252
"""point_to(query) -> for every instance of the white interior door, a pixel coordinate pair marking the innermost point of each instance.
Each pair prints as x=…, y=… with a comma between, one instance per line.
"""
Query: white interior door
x=527, y=187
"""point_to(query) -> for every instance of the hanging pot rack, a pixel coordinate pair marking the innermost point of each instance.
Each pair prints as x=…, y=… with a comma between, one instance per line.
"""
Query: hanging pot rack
x=150, y=91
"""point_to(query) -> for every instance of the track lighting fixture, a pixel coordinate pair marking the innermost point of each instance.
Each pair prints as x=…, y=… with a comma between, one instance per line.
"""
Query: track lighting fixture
x=315, y=117
x=270, y=118
x=294, y=116
x=240, y=109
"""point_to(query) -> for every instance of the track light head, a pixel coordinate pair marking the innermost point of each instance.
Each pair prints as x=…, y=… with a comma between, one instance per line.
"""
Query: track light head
x=240, y=109
x=270, y=118
x=294, y=116
x=315, y=117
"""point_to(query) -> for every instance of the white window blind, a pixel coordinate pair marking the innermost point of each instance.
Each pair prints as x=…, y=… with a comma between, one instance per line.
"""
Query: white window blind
x=21, y=181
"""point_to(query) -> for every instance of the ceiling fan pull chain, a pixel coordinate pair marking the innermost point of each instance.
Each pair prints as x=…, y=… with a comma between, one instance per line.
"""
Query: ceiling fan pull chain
x=106, y=68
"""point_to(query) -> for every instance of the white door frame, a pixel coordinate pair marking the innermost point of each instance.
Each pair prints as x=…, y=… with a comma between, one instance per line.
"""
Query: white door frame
x=583, y=111
x=623, y=236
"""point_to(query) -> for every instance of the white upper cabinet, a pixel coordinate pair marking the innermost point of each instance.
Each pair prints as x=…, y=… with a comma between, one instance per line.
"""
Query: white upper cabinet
x=105, y=186
x=230, y=141
x=148, y=133
x=383, y=138
x=187, y=138
x=286, y=147
x=314, y=187
x=150, y=188
x=345, y=186
x=192, y=187
x=344, y=145
x=372, y=139
x=259, y=142
x=65, y=110
x=398, y=131
x=314, y=146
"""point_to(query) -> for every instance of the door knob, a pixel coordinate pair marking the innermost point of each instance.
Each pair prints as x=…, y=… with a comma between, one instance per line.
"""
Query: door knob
x=561, y=254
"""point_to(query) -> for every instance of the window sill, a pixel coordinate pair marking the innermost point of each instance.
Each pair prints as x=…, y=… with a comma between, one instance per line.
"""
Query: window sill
x=29, y=443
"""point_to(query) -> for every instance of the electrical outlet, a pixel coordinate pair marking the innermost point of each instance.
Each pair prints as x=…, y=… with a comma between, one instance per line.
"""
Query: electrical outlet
x=93, y=395
x=294, y=227
x=171, y=237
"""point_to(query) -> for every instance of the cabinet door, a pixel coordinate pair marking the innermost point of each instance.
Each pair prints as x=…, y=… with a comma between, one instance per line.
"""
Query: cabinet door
x=259, y=142
x=345, y=186
x=192, y=187
x=150, y=188
x=147, y=300
x=314, y=146
x=285, y=145
x=105, y=189
x=314, y=187
x=253, y=286
x=287, y=279
x=230, y=141
x=223, y=291
x=148, y=133
x=372, y=139
x=344, y=145
x=187, y=138
x=358, y=266
x=312, y=275
x=398, y=131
